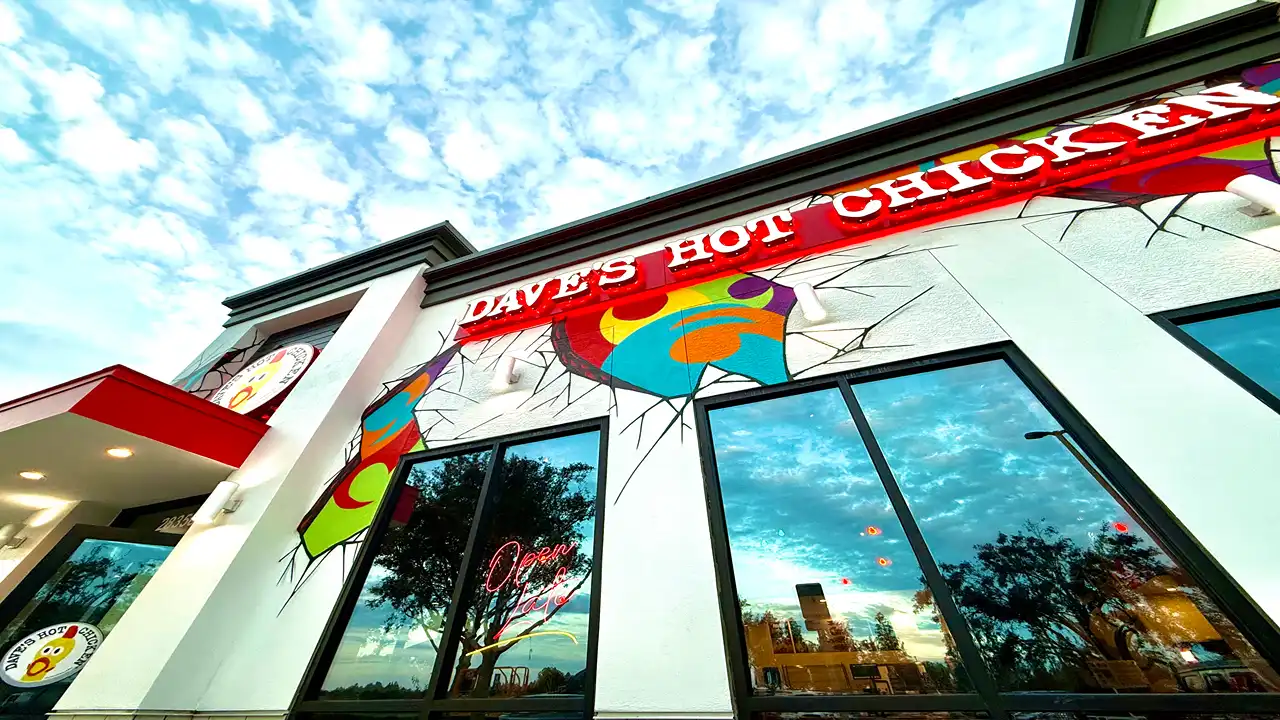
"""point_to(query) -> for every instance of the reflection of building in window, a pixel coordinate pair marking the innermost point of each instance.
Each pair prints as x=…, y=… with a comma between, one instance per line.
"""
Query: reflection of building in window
x=783, y=659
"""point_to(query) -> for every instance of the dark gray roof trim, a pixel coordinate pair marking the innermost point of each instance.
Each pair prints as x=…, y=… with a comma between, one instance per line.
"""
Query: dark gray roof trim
x=1220, y=43
x=436, y=245
x=1099, y=27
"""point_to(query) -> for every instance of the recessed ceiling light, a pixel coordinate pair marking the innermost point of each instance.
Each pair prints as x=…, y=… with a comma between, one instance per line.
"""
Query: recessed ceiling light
x=120, y=452
x=31, y=475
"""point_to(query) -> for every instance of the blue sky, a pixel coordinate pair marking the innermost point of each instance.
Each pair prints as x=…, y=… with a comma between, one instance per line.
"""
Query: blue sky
x=158, y=156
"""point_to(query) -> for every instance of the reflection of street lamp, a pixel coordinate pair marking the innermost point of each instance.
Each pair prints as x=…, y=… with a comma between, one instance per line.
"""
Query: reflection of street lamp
x=1071, y=448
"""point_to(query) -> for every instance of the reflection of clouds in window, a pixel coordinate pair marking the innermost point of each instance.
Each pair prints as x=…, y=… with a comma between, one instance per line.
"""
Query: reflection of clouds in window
x=1250, y=342
x=955, y=441
x=820, y=563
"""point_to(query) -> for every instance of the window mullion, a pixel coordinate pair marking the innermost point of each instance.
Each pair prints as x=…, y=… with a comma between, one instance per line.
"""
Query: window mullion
x=978, y=672
x=454, y=618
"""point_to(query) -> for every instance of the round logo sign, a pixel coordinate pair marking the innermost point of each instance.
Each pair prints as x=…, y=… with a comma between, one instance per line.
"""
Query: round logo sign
x=264, y=379
x=50, y=654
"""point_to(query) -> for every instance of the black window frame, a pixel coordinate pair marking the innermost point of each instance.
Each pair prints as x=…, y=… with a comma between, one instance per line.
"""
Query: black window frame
x=1129, y=490
x=435, y=701
x=1173, y=320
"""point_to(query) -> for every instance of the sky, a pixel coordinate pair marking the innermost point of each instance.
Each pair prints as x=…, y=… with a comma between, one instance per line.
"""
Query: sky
x=156, y=157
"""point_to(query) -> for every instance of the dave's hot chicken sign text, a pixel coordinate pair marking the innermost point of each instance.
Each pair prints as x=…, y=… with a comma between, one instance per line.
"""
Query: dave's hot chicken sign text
x=1073, y=154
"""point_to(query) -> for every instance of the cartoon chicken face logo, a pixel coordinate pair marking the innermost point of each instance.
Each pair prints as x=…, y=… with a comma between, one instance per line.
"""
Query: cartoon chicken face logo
x=52, y=653
x=255, y=382
x=265, y=378
x=49, y=655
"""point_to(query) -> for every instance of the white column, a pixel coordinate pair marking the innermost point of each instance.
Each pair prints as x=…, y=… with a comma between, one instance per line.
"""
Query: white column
x=661, y=646
x=214, y=603
x=1207, y=448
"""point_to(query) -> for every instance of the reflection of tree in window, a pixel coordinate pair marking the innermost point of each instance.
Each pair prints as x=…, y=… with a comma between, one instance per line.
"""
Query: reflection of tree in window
x=410, y=584
x=1049, y=614
x=421, y=556
x=536, y=558
x=1061, y=587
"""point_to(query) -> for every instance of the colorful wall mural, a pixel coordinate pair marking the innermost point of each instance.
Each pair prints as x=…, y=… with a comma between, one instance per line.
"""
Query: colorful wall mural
x=644, y=361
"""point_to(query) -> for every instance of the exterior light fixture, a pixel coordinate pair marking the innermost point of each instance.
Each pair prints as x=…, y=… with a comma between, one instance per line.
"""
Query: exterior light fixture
x=119, y=452
x=508, y=372
x=1263, y=195
x=9, y=535
x=810, y=307
x=222, y=499
x=31, y=475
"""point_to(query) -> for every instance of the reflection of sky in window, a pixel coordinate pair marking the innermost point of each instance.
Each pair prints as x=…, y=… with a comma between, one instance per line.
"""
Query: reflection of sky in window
x=954, y=440
x=557, y=650
x=1250, y=342
x=799, y=496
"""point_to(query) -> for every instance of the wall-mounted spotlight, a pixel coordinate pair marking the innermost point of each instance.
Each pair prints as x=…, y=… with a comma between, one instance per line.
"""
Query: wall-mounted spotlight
x=9, y=535
x=508, y=372
x=810, y=307
x=222, y=499
x=1263, y=195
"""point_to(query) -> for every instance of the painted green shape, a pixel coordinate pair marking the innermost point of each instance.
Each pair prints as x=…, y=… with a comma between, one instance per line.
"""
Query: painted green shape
x=1256, y=150
x=335, y=524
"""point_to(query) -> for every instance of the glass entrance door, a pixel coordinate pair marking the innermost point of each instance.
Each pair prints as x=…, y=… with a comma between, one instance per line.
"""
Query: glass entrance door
x=56, y=619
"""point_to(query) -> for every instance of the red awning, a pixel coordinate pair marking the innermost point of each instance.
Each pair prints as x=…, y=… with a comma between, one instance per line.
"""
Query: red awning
x=125, y=400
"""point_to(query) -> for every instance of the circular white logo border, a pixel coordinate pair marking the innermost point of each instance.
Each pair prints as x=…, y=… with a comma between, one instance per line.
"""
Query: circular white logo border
x=19, y=656
x=297, y=358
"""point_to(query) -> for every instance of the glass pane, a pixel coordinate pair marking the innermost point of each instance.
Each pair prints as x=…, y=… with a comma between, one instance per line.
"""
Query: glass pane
x=525, y=629
x=389, y=646
x=46, y=643
x=1062, y=588
x=1250, y=342
x=832, y=597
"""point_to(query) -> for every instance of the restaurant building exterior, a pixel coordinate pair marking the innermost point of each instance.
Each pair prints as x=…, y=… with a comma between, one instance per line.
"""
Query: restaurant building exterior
x=972, y=413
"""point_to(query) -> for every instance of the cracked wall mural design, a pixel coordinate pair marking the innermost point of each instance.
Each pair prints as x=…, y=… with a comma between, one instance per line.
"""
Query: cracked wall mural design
x=1162, y=238
x=218, y=364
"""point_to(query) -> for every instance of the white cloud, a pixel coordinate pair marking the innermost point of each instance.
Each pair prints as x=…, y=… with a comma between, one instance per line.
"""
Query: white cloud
x=408, y=152
x=471, y=154
x=15, y=99
x=156, y=234
x=104, y=150
x=698, y=12
x=302, y=168
x=232, y=103
x=13, y=151
x=157, y=45
x=10, y=25
x=260, y=10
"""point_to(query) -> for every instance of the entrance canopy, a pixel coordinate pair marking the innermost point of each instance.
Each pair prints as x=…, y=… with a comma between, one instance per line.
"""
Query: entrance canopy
x=179, y=445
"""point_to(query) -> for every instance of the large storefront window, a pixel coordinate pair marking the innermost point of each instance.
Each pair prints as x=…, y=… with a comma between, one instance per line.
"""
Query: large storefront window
x=81, y=590
x=477, y=592
x=940, y=532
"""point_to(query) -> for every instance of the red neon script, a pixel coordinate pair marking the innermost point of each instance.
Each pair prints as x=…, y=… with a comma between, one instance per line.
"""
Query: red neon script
x=510, y=565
